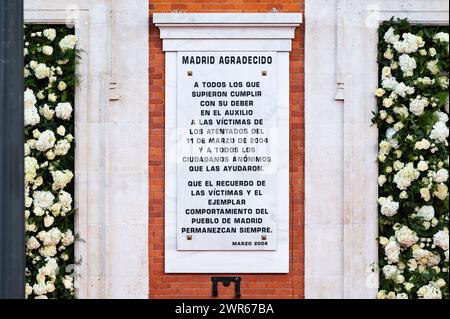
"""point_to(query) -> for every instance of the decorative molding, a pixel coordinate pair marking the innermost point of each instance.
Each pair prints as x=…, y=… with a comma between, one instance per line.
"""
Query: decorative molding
x=226, y=32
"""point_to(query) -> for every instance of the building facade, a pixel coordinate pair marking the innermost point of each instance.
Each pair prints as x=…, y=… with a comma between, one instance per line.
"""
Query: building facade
x=326, y=183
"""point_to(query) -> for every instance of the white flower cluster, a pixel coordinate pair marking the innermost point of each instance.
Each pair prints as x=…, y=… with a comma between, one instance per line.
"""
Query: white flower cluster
x=48, y=161
x=413, y=162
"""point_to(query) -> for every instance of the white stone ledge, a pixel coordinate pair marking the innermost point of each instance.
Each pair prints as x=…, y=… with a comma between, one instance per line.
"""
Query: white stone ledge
x=167, y=19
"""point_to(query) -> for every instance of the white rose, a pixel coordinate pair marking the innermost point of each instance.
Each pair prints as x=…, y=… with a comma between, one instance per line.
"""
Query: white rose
x=48, y=221
x=407, y=63
x=46, y=141
x=426, y=213
x=440, y=132
x=62, y=86
x=33, y=243
x=47, y=50
x=441, y=176
x=64, y=111
x=62, y=147
x=422, y=166
x=418, y=105
x=441, y=239
x=49, y=34
x=68, y=42
x=433, y=67
x=61, y=130
x=406, y=237
x=441, y=36
x=381, y=180
x=441, y=192
x=52, y=97
x=425, y=194
x=388, y=207
x=42, y=71
x=423, y=145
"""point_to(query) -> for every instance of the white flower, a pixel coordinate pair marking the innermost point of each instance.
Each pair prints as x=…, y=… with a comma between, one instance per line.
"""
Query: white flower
x=418, y=105
x=426, y=213
x=29, y=98
x=381, y=180
x=388, y=207
x=441, y=191
x=28, y=290
x=390, y=272
x=65, y=199
x=64, y=111
x=407, y=63
x=379, y=92
x=409, y=44
x=402, y=111
x=33, y=243
x=386, y=71
x=48, y=221
x=406, y=237
x=43, y=199
x=47, y=50
x=424, y=144
x=49, y=34
x=51, y=267
x=433, y=67
x=390, y=36
x=392, y=251
x=61, y=130
x=46, y=141
x=441, y=116
x=62, y=86
x=68, y=282
x=51, y=237
x=422, y=166
x=42, y=71
x=52, y=97
x=46, y=112
x=441, y=36
x=39, y=289
x=62, y=148
x=61, y=179
x=430, y=291
x=440, y=239
x=389, y=83
x=31, y=166
x=404, y=178
x=33, y=64
x=402, y=89
x=389, y=54
x=440, y=176
x=425, y=194
x=440, y=132
x=67, y=238
x=31, y=116
x=402, y=295
x=48, y=251
x=68, y=42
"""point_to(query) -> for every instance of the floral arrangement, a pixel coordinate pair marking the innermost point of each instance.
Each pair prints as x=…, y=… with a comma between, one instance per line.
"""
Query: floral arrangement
x=413, y=161
x=50, y=60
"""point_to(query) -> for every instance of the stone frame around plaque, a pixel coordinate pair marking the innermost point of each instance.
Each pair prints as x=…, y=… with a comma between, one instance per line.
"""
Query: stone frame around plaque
x=265, y=32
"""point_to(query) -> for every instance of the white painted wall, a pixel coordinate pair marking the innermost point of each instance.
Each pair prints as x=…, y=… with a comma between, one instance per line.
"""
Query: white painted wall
x=112, y=141
x=341, y=147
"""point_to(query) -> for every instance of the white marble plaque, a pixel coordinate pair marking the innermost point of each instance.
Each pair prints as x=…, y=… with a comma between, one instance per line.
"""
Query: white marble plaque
x=227, y=190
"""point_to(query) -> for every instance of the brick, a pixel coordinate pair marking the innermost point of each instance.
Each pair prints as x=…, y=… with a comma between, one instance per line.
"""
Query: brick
x=177, y=286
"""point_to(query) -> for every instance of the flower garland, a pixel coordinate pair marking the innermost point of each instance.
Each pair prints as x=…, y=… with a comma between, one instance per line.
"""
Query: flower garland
x=50, y=58
x=413, y=161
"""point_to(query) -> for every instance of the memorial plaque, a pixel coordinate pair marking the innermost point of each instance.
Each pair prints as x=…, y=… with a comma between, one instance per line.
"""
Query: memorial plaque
x=227, y=140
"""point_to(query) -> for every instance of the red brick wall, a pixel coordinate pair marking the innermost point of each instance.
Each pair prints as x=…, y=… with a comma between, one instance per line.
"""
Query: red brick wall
x=164, y=285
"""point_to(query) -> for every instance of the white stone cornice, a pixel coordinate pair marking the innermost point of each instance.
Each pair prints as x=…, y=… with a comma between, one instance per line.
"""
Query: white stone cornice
x=235, y=31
